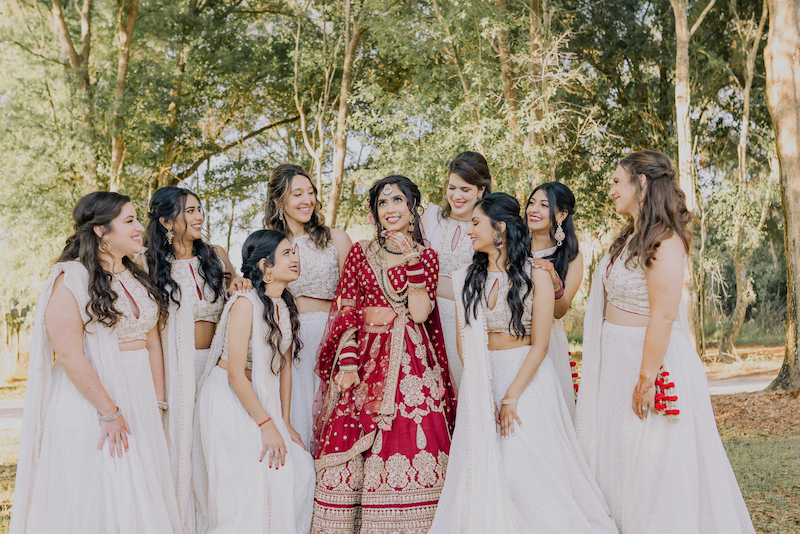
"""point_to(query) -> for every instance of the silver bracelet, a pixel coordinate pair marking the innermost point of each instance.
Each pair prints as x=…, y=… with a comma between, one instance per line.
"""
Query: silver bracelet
x=508, y=402
x=348, y=368
x=163, y=406
x=110, y=417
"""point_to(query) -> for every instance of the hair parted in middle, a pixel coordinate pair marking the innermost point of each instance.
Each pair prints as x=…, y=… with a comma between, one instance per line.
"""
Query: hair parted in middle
x=413, y=197
x=473, y=168
x=259, y=245
x=662, y=208
x=502, y=207
x=279, y=188
x=560, y=199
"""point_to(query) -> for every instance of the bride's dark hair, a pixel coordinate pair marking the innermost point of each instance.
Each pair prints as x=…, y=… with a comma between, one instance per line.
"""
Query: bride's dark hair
x=259, y=245
x=169, y=202
x=100, y=209
x=501, y=207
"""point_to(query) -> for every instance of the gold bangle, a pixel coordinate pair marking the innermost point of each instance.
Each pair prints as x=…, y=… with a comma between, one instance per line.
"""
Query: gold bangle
x=508, y=402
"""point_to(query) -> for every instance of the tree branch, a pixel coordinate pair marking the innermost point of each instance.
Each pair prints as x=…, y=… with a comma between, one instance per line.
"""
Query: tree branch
x=206, y=155
x=701, y=17
x=31, y=52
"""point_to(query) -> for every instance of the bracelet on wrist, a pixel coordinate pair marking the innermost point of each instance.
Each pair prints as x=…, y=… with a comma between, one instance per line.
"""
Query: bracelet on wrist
x=265, y=421
x=348, y=368
x=411, y=256
x=109, y=418
x=162, y=405
x=508, y=402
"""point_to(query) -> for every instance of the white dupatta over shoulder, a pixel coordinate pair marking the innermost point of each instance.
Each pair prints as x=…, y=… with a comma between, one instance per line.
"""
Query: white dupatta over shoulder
x=475, y=499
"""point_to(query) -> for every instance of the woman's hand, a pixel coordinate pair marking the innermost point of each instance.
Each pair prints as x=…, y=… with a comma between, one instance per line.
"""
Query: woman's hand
x=240, y=284
x=347, y=379
x=117, y=433
x=294, y=434
x=644, y=396
x=272, y=443
x=547, y=265
x=508, y=414
x=400, y=240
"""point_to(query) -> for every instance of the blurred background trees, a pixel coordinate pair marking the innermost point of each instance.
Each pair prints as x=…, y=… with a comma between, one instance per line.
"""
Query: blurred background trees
x=131, y=95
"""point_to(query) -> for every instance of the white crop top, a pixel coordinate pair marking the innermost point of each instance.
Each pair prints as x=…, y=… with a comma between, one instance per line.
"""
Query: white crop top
x=626, y=287
x=498, y=319
x=135, y=322
x=285, y=325
x=319, y=270
x=195, y=291
x=448, y=237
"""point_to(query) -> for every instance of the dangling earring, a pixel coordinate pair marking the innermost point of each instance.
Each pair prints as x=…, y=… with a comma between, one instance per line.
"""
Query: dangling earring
x=559, y=235
x=498, y=239
x=280, y=214
x=170, y=235
x=411, y=226
x=268, y=278
x=104, y=246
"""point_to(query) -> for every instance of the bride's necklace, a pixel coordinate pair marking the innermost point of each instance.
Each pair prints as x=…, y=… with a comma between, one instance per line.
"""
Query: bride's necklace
x=391, y=247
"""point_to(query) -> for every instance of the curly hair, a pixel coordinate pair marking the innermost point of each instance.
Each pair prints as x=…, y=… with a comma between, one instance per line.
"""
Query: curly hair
x=413, y=197
x=168, y=203
x=501, y=207
x=100, y=209
x=473, y=168
x=278, y=190
x=662, y=208
x=560, y=198
x=259, y=245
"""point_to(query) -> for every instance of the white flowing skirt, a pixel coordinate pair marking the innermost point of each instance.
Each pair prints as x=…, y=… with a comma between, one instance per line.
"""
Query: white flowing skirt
x=200, y=359
x=558, y=352
x=240, y=494
x=657, y=476
x=82, y=490
x=548, y=479
x=304, y=380
x=447, y=316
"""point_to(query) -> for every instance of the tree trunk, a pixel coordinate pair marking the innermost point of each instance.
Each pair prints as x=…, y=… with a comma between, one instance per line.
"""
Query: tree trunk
x=340, y=140
x=507, y=70
x=782, y=59
x=744, y=290
x=124, y=38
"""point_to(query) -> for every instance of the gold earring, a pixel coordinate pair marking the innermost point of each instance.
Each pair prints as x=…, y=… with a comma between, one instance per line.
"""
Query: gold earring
x=104, y=246
x=268, y=278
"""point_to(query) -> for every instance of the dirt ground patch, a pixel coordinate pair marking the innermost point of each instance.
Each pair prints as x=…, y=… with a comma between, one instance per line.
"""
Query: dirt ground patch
x=757, y=362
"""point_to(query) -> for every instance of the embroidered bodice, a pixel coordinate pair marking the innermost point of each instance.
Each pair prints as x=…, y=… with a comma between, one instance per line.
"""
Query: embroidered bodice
x=498, y=319
x=626, y=286
x=135, y=321
x=195, y=291
x=319, y=270
x=451, y=242
x=544, y=253
x=284, y=324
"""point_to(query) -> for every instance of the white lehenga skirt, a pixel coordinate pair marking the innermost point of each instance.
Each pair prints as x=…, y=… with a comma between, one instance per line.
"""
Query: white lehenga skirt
x=78, y=489
x=200, y=359
x=240, y=494
x=660, y=476
x=447, y=316
x=558, y=352
x=304, y=380
x=548, y=480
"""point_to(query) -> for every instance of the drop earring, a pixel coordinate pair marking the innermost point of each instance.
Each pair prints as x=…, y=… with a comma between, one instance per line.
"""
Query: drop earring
x=559, y=235
x=498, y=239
x=170, y=236
x=280, y=214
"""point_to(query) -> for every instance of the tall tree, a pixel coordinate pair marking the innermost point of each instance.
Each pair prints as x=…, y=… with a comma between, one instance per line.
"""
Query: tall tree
x=782, y=59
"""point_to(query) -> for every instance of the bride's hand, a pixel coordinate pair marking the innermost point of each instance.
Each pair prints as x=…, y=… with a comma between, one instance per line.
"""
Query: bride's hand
x=400, y=240
x=347, y=379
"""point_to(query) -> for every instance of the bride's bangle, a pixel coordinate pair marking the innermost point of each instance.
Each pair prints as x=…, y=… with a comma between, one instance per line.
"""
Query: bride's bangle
x=508, y=402
x=348, y=368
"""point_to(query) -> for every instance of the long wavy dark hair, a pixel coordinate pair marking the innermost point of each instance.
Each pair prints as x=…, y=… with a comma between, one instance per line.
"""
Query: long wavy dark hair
x=662, y=208
x=473, y=168
x=560, y=198
x=412, y=194
x=259, y=245
x=278, y=190
x=100, y=209
x=501, y=207
x=169, y=202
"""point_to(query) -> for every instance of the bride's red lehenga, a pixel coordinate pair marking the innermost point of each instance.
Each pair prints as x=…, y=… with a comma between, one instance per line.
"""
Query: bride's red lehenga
x=382, y=446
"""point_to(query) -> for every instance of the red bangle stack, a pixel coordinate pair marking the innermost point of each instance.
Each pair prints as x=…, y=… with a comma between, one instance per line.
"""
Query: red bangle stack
x=416, y=276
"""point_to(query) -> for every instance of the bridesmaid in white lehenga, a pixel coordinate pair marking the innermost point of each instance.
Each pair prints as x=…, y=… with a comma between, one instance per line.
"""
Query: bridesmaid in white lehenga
x=534, y=479
x=656, y=458
x=191, y=276
x=292, y=207
x=554, y=246
x=252, y=474
x=468, y=180
x=96, y=380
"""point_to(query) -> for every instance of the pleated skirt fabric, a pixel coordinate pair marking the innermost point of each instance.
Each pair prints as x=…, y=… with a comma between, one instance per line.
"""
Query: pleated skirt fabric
x=304, y=380
x=447, y=317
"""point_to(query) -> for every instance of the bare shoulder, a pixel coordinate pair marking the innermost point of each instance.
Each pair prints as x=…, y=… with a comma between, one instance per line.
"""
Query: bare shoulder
x=219, y=251
x=670, y=251
x=341, y=240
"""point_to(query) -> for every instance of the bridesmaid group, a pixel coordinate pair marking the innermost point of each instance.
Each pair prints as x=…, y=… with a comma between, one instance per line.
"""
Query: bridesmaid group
x=418, y=381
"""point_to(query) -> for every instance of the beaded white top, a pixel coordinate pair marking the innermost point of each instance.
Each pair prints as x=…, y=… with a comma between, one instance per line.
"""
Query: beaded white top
x=498, y=319
x=195, y=291
x=284, y=324
x=319, y=269
x=545, y=252
x=448, y=237
x=135, y=321
x=626, y=287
